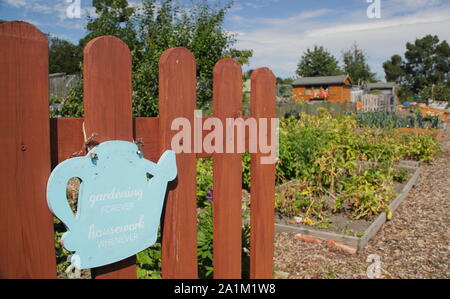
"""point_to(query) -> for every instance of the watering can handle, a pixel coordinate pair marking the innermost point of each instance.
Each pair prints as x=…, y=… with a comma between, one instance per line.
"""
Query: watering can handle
x=57, y=186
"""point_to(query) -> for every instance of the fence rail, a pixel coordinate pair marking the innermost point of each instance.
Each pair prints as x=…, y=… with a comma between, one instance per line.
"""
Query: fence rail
x=314, y=108
x=32, y=144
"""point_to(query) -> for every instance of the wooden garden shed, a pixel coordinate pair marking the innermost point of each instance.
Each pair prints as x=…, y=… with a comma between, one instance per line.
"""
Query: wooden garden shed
x=338, y=88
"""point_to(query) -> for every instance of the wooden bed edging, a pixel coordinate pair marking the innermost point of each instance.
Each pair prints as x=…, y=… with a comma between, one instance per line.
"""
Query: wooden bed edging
x=371, y=231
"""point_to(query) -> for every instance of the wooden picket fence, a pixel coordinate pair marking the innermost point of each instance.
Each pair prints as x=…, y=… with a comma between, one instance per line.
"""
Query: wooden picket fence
x=375, y=102
x=31, y=145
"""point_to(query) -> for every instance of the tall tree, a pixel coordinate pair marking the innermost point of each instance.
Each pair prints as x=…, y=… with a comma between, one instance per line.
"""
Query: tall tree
x=394, y=69
x=355, y=65
x=318, y=62
x=113, y=17
x=64, y=57
x=157, y=26
x=426, y=64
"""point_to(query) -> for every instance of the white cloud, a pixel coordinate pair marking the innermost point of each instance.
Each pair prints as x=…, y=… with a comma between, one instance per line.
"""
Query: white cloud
x=409, y=5
x=279, y=43
x=16, y=3
x=420, y=18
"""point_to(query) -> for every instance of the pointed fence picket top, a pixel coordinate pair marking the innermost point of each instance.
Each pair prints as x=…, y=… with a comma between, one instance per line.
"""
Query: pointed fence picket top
x=31, y=145
x=26, y=229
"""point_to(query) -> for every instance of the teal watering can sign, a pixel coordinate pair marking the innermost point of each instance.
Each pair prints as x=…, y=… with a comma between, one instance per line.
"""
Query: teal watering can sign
x=120, y=201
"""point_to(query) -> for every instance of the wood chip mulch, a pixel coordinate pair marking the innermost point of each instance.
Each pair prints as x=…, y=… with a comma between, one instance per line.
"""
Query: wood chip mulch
x=414, y=244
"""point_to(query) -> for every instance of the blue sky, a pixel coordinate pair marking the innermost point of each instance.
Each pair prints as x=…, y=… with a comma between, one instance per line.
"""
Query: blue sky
x=279, y=31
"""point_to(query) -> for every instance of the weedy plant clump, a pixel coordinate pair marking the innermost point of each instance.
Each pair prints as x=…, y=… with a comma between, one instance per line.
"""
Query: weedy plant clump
x=326, y=155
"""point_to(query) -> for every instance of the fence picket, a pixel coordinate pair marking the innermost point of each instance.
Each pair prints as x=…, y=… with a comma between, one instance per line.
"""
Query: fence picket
x=26, y=229
x=262, y=182
x=177, y=98
x=108, y=113
x=227, y=195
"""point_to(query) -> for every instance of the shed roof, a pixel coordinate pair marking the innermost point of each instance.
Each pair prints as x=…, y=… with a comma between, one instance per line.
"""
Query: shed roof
x=381, y=85
x=327, y=80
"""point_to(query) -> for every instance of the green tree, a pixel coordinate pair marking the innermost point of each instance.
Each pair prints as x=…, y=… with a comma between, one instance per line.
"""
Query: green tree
x=247, y=75
x=113, y=17
x=2, y=21
x=158, y=26
x=356, y=66
x=318, y=62
x=200, y=29
x=64, y=57
x=436, y=92
x=394, y=69
x=395, y=72
x=241, y=56
x=426, y=63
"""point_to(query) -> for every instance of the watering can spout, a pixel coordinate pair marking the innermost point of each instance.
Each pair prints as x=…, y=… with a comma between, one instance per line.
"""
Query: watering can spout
x=168, y=166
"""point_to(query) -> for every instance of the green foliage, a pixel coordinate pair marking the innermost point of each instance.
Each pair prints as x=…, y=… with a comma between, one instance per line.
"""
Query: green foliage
x=64, y=57
x=205, y=242
x=73, y=103
x=302, y=142
x=113, y=17
x=61, y=253
x=394, y=69
x=148, y=262
x=400, y=175
x=391, y=120
x=55, y=106
x=156, y=27
x=284, y=90
x=427, y=63
x=246, y=159
x=323, y=154
x=366, y=193
x=318, y=62
x=204, y=181
x=420, y=147
x=205, y=245
x=355, y=65
x=375, y=91
x=438, y=92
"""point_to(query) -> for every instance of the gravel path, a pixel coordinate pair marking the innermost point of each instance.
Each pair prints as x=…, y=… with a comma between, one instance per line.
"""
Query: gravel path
x=415, y=244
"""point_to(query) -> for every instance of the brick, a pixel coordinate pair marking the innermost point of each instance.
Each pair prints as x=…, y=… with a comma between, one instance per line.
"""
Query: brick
x=308, y=239
x=342, y=247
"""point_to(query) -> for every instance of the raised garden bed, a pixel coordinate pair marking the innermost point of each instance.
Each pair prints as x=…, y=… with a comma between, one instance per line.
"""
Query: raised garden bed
x=436, y=133
x=354, y=233
x=443, y=114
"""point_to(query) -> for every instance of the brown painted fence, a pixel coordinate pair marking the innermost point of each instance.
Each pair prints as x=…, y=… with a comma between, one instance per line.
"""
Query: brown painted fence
x=31, y=145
